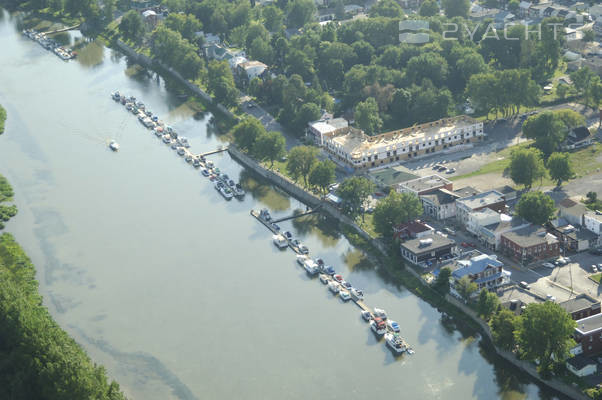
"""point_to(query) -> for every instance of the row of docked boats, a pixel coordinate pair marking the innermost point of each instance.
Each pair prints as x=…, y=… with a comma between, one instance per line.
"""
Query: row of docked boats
x=379, y=322
x=50, y=44
x=168, y=135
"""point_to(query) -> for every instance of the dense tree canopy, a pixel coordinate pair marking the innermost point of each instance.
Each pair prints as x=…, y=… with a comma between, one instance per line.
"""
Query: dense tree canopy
x=545, y=329
x=395, y=209
x=322, y=175
x=503, y=325
x=354, y=192
x=526, y=166
x=246, y=132
x=536, y=207
x=301, y=160
x=550, y=128
x=269, y=146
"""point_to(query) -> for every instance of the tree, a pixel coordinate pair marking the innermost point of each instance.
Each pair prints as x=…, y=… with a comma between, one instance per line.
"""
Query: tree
x=246, y=132
x=301, y=160
x=588, y=35
x=560, y=168
x=526, y=165
x=186, y=24
x=487, y=304
x=513, y=6
x=354, y=192
x=562, y=90
x=221, y=83
x=270, y=146
x=536, y=207
x=465, y=287
x=367, y=117
x=545, y=330
x=322, y=175
x=386, y=8
x=592, y=197
x=272, y=17
x=395, y=209
x=503, y=325
x=456, y=8
x=442, y=282
x=429, y=9
x=301, y=12
x=132, y=25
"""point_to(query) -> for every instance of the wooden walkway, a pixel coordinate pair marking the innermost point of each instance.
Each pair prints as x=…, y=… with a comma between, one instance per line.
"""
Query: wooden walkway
x=298, y=215
x=62, y=29
x=213, y=152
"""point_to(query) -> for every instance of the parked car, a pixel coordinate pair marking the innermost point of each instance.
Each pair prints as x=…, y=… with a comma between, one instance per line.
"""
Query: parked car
x=548, y=265
x=524, y=285
x=451, y=171
x=594, y=268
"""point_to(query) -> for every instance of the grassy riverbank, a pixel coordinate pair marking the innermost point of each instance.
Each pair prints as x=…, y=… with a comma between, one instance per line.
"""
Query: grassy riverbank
x=6, y=194
x=2, y=119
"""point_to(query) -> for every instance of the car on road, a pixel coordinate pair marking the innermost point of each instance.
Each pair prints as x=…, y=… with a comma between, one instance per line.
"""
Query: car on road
x=524, y=285
x=250, y=105
x=594, y=268
x=451, y=171
x=437, y=166
x=561, y=261
x=548, y=265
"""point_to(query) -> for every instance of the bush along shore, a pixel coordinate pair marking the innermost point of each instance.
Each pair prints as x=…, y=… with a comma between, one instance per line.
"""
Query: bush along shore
x=468, y=317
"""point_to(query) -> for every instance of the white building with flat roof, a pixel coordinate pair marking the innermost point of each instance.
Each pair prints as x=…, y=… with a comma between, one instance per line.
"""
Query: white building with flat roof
x=360, y=151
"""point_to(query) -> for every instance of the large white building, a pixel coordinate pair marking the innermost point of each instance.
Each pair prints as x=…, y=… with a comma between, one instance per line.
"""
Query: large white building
x=355, y=148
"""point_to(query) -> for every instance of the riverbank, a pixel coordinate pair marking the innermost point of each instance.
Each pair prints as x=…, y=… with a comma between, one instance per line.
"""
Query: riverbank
x=32, y=344
x=2, y=119
x=388, y=263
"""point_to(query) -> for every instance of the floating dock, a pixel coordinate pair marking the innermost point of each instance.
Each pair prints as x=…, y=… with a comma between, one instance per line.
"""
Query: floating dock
x=360, y=303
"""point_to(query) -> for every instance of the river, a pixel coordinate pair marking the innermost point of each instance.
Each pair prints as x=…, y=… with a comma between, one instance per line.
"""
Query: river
x=180, y=294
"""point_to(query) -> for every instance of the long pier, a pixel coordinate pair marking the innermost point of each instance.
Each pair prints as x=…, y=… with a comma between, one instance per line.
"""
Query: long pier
x=213, y=152
x=62, y=29
x=315, y=210
x=358, y=302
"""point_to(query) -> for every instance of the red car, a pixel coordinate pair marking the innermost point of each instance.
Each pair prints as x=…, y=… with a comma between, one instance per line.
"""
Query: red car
x=464, y=244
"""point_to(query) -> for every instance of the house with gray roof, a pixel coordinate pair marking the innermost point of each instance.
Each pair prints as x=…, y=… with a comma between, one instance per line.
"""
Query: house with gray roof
x=491, y=235
x=484, y=270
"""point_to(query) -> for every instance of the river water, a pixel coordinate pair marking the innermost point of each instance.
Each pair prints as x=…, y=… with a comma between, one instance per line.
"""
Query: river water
x=180, y=294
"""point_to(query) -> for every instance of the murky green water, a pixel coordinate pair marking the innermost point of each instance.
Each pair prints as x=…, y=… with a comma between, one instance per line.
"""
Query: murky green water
x=180, y=294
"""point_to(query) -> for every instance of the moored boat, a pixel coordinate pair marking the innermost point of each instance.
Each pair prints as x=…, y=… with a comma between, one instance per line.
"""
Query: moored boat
x=396, y=342
x=280, y=241
x=334, y=287
x=357, y=294
x=380, y=313
x=113, y=145
x=310, y=266
x=366, y=315
x=378, y=326
x=324, y=279
x=344, y=295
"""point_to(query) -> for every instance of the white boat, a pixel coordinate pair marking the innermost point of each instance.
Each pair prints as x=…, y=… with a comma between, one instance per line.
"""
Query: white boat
x=366, y=315
x=378, y=326
x=280, y=241
x=410, y=351
x=324, y=279
x=310, y=266
x=395, y=342
x=344, y=295
x=114, y=145
x=166, y=139
x=394, y=326
x=380, y=313
x=226, y=192
x=238, y=190
x=301, y=259
x=181, y=151
x=357, y=294
x=334, y=287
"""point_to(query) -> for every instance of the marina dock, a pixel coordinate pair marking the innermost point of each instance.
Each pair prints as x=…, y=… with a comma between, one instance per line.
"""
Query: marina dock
x=359, y=302
x=213, y=152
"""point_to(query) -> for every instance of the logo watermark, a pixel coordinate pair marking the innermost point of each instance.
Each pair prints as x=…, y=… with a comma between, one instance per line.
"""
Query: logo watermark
x=451, y=30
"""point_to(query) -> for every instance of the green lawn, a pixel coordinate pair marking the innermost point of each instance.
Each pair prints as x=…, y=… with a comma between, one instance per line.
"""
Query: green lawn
x=585, y=162
x=596, y=277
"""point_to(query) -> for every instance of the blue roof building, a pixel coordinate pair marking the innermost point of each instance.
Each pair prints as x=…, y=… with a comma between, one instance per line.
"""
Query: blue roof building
x=484, y=270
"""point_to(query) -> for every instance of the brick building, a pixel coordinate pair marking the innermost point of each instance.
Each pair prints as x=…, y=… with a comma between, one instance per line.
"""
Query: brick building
x=581, y=306
x=529, y=244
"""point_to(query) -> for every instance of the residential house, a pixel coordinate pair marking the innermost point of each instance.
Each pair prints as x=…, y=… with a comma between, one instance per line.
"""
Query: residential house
x=491, y=199
x=440, y=204
x=481, y=218
x=571, y=238
x=529, y=244
x=425, y=185
x=491, y=235
x=572, y=211
x=150, y=17
x=427, y=250
x=588, y=335
x=581, y=366
x=412, y=230
x=484, y=270
x=523, y=8
x=581, y=306
x=593, y=222
x=578, y=137
x=251, y=69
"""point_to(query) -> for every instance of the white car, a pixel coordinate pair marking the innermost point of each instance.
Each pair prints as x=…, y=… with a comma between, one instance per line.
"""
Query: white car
x=548, y=265
x=594, y=268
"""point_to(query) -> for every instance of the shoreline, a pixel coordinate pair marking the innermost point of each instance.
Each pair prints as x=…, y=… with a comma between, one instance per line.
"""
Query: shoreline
x=399, y=276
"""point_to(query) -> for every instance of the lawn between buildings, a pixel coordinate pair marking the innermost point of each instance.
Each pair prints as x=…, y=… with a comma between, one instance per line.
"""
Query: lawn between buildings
x=585, y=161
